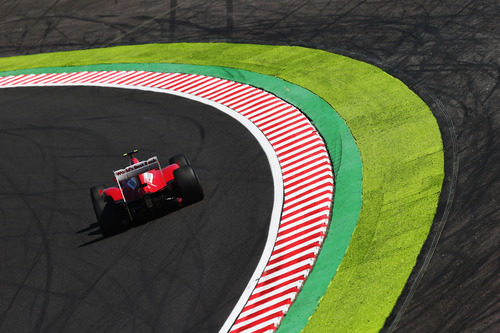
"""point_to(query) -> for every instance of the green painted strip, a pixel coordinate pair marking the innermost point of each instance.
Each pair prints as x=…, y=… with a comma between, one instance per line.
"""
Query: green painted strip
x=400, y=146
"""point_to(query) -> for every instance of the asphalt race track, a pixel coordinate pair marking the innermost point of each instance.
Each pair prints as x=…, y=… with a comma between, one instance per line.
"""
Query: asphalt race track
x=448, y=52
x=171, y=275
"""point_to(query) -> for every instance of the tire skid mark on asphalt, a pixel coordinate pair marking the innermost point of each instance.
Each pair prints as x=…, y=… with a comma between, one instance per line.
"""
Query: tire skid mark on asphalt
x=268, y=297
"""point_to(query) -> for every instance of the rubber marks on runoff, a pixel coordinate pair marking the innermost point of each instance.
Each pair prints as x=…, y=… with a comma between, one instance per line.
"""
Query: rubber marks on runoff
x=306, y=172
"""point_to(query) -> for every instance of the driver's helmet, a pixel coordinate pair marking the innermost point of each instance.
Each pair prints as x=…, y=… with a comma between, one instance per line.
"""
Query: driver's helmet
x=132, y=183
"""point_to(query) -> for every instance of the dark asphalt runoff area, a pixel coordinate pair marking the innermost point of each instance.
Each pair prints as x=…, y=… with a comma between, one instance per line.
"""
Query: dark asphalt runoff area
x=448, y=52
x=180, y=273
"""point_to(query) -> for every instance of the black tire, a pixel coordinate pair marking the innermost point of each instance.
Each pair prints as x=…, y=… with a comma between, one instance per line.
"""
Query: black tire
x=106, y=212
x=97, y=201
x=110, y=220
x=180, y=159
x=187, y=185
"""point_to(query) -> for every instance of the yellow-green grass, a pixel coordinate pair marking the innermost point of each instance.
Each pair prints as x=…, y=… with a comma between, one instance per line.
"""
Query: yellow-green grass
x=400, y=147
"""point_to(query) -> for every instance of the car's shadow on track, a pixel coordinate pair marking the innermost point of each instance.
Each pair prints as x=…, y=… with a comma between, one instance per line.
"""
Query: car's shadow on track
x=92, y=230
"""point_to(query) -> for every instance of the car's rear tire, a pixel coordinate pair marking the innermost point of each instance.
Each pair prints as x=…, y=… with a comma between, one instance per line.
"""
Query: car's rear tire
x=111, y=218
x=188, y=185
x=97, y=201
x=106, y=211
x=180, y=159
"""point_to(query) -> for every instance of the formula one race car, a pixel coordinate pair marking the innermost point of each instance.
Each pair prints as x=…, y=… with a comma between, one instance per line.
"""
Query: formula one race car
x=145, y=191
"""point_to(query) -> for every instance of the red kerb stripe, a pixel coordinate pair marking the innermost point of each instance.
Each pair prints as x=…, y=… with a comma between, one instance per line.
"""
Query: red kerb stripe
x=270, y=298
x=260, y=321
x=300, y=241
x=300, y=269
x=314, y=204
x=301, y=233
x=260, y=312
x=276, y=287
x=288, y=264
x=292, y=253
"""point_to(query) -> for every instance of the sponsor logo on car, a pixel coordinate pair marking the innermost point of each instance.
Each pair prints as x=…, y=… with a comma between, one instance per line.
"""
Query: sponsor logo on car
x=136, y=166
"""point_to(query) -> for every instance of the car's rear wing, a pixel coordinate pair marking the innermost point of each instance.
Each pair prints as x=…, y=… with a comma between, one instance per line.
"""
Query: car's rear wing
x=137, y=169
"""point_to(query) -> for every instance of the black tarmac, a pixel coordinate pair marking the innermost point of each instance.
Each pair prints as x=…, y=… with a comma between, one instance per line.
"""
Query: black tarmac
x=446, y=51
x=180, y=273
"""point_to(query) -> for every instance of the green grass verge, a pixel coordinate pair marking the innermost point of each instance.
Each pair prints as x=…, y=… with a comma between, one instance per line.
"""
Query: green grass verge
x=400, y=146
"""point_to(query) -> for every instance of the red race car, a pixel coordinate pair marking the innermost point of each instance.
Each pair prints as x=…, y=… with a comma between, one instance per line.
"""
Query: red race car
x=145, y=191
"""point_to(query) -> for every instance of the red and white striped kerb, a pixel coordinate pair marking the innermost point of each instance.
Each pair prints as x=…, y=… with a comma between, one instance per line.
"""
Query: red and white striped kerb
x=305, y=166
